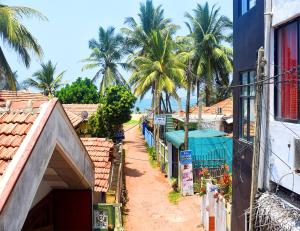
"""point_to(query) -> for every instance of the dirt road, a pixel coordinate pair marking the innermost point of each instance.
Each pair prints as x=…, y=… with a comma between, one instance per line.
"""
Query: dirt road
x=148, y=207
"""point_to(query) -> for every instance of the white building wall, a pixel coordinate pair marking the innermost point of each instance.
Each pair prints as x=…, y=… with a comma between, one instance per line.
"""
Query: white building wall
x=281, y=138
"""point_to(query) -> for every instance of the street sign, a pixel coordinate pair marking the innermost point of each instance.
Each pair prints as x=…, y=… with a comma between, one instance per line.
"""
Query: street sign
x=186, y=168
x=159, y=119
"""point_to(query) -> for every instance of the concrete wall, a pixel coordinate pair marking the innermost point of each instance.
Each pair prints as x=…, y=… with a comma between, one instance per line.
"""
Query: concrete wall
x=57, y=133
x=281, y=139
x=284, y=10
x=248, y=37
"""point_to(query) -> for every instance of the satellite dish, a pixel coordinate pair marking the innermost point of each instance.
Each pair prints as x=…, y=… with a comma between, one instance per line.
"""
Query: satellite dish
x=84, y=114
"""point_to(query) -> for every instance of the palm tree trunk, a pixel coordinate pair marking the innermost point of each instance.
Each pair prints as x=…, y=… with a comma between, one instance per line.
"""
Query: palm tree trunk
x=156, y=112
x=207, y=95
x=163, y=102
x=187, y=112
x=169, y=103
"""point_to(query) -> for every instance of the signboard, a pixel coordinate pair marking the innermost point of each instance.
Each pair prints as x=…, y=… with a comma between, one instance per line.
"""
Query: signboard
x=186, y=168
x=159, y=119
x=101, y=219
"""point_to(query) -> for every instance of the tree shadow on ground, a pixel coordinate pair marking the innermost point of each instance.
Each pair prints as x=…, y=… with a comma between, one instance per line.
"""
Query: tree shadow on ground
x=132, y=172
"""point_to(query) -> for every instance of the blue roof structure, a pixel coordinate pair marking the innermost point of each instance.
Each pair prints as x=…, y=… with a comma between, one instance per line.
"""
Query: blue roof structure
x=205, y=144
x=177, y=137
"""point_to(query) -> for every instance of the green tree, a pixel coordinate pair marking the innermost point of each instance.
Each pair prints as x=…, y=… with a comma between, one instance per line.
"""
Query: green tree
x=18, y=38
x=80, y=91
x=159, y=71
x=114, y=110
x=150, y=18
x=212, y=61
x=106, y=57
x=45, y=79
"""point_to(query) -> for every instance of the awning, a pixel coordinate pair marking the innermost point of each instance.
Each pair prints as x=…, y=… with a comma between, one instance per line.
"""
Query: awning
x=177, y=137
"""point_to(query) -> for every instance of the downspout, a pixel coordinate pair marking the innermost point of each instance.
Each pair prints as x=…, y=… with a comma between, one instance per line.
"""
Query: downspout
x=264, y=173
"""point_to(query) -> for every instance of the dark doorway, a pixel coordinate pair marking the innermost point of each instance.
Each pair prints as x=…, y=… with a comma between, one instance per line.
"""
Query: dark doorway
x=62, y=210
x=174, y=162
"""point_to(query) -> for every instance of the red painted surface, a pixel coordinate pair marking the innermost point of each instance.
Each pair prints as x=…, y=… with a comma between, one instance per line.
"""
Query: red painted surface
x=73, y=210
x=288, y=61
x=211, y=223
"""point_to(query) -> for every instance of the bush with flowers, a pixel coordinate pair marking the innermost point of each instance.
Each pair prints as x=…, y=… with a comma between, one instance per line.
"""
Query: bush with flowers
x=204, y=176
x=225, y=184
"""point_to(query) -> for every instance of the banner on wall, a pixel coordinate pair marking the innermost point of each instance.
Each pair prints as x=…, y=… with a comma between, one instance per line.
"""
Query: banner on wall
x=186, y=168
x=159, y=119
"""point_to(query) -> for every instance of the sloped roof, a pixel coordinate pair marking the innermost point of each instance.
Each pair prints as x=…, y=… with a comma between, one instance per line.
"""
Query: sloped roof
x=14, y=126
x=20, y=99
x=226, y=106
x=100, y=151
x=78, y=109
x=75, y=119
x=177, y=137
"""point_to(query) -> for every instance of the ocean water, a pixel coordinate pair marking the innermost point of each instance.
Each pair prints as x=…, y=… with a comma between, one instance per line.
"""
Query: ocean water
x=145, y=104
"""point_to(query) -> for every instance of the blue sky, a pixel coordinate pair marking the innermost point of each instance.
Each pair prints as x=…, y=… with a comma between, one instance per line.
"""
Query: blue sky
x=64, y=38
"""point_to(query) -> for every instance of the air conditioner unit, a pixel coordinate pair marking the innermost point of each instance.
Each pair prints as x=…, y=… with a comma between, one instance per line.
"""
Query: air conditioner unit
x=297, y=154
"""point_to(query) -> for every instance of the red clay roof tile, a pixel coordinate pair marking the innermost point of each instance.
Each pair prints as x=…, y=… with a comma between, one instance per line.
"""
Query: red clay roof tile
x=14, y=126
x=100, y=151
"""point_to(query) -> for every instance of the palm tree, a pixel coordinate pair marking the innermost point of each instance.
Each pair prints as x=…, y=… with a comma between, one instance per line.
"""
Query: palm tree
x=17, y=37
x=45, y=79
x=212, y=60
x=150, y=18
x=138, y=36
x=107, y=54
x=159, y=71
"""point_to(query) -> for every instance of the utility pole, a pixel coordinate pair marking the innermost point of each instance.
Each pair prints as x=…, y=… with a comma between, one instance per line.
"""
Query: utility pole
x=256, y=145
x=199, y=111
x=187, y=108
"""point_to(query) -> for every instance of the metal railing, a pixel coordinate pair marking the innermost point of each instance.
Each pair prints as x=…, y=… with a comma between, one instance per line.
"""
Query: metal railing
x=162, y=152
x=149, y=138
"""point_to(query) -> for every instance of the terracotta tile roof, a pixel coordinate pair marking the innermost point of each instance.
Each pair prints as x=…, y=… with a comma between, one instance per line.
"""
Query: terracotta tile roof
x=78, y=109
x=14, y=126
x=100, y=151
x=19, y=99
x=75, y=119
x=226, y=105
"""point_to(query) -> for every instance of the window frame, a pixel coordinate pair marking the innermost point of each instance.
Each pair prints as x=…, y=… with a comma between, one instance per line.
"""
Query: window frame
x=276, y=72
x=247, y=7
x=242, y=98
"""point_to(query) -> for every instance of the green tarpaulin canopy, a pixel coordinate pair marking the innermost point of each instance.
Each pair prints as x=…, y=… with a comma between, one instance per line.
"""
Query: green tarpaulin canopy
x=177, y=137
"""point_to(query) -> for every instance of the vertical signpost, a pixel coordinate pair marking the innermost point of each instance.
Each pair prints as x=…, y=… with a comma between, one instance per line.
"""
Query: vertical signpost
x=186, y=168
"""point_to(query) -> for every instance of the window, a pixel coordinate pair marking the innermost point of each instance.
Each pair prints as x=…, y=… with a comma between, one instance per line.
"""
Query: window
x=246, y=5
x=287, y=61
x=247, y=102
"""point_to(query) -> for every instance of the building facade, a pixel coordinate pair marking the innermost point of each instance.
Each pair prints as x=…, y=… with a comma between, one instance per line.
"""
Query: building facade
x=275, y=26
x=248, y=37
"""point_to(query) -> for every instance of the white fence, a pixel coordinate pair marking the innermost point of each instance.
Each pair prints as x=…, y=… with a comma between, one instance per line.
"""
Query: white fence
x=215, y=213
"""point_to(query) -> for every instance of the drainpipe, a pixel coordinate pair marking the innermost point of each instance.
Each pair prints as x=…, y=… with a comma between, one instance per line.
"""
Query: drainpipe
x=263, y=172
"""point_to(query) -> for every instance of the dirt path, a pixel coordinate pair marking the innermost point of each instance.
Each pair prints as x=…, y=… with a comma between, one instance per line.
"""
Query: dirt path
x=148, y=206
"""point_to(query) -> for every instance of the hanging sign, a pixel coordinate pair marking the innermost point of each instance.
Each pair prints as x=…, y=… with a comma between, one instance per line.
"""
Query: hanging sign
x=186, y=168
x=159, y=119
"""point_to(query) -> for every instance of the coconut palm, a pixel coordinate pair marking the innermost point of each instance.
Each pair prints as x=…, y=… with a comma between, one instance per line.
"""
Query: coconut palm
x=17, y=37
x=106, y=57
x=150, y=18
x=45, y=79
x=159, y=71
x=212, y=60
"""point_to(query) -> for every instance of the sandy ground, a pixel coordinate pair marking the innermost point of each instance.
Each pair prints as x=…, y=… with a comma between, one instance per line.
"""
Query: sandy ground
x=136, y=116
x=148, y=207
